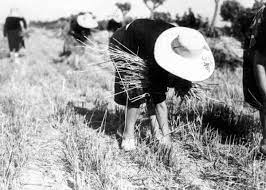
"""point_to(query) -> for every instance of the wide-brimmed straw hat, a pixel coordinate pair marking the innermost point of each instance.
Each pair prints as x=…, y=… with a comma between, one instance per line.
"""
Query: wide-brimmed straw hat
x=185, y=53
x=87, y=21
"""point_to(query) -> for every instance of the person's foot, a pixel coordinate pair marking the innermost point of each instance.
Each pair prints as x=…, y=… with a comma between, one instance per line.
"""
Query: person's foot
x=263, y=146
x=128, y=144
x=166, y=150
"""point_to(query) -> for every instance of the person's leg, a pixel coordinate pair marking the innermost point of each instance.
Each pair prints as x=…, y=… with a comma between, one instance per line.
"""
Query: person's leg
x=263, y=123
x=128, y=142
x=16, y=58
x=131, y=118
x=11, y=55
x=260, y=75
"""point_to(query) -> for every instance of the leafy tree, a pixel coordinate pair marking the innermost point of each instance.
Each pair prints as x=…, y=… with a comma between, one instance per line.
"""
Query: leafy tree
x=190, y=20
x=230, y=9
x=197, y=22
x=239, y=17
x=162, y=16
x=152, y=5
x=124, y=7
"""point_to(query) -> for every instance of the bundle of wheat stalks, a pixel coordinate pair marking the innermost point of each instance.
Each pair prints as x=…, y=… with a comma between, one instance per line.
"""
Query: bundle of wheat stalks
x=130, y=66
x=133, y=72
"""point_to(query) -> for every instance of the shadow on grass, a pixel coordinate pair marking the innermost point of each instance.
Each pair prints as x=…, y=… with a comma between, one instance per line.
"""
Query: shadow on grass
x=100, y=118
x=233, y=126
x=112, y=122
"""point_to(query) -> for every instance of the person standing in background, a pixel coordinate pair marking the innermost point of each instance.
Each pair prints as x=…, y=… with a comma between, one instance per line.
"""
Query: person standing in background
x=254, y=69
x=14, y=27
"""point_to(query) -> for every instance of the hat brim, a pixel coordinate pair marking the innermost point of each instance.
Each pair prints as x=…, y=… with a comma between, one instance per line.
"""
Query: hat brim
x=195, y=69
x=86, y=21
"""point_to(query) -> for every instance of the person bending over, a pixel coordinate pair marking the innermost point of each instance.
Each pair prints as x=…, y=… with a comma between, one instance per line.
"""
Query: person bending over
x=77, y=32
x=165, y=49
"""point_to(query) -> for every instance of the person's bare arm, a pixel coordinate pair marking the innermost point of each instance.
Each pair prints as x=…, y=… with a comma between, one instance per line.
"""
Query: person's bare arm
x=24, y=23
x=162, y=118
x=260, y=75
x=5, y=29
x=259, y=72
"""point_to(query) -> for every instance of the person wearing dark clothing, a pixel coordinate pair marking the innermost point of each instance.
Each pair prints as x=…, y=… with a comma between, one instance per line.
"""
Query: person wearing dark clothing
x=13, y=28
x=113, y=25
x=165, y=50
x=77, y=32
x=132, y=40
x=254, y=69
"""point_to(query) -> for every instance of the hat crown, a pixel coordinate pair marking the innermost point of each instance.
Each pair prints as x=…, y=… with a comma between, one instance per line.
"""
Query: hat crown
x=185, y=53
x=188, y=44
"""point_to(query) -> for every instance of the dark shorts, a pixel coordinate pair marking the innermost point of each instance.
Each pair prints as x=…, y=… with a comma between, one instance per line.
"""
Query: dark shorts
x=134, y=97
x=127, y=95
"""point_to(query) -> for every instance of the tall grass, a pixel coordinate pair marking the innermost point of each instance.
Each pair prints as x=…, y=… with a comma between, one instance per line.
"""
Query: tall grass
x=18, y=125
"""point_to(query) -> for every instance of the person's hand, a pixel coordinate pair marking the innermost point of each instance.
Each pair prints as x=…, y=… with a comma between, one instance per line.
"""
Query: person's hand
x=166, y=150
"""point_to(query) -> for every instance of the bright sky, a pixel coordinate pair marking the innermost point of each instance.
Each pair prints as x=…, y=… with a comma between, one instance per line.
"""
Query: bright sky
x=52, y=9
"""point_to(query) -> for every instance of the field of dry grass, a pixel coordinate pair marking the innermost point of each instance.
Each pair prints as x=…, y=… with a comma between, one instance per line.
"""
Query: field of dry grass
x=58, y=129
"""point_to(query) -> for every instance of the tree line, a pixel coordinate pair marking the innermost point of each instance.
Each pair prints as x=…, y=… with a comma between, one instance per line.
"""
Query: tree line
x=231, y=11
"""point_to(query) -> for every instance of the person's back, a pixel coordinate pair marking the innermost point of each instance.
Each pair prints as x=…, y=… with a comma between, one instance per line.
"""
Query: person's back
x=142, y=34
x=14, y=23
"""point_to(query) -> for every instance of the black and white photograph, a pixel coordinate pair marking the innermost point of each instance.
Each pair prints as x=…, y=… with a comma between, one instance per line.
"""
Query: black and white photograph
x=133, y=95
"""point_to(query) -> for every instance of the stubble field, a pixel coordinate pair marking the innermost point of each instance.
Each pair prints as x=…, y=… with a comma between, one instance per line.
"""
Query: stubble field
x=58, y=128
